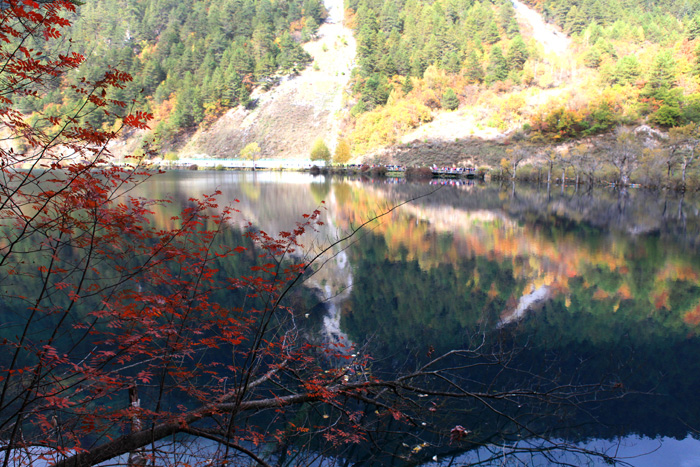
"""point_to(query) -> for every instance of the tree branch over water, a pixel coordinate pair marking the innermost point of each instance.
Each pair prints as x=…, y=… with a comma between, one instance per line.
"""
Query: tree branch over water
x=105, y=292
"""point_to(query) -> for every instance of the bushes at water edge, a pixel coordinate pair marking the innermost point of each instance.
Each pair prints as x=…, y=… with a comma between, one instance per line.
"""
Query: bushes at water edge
x=418, y=173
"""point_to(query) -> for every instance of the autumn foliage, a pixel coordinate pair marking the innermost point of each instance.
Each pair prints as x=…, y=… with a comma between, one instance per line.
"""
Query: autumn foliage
x=121, y=335
x=119, y=331
x=100, y=301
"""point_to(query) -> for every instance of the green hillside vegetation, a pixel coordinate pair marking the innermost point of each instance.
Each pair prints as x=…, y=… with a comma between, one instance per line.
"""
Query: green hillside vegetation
x=628, y=62
x=190, y=60
x=644, y=51
x=413, y=55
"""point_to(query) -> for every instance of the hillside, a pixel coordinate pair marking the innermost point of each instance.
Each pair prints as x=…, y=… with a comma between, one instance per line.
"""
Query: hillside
x=191, y=60
x=286, y=120
x=313, y=100
x=453, y=79
x=467, y=122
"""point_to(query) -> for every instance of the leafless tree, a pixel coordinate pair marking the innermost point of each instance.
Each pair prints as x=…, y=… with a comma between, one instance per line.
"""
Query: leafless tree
x=514, y=157
x=624, y=154
x=683, y=144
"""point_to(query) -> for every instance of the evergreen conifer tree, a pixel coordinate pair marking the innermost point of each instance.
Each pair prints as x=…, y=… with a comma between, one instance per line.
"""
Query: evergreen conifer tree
x=244, y=96
x=592, y=58
x=696, y=62
x=498, y=66
x=450, y=101
x=627, y=70
x=575, y=21
x=407, y=85
x=662, y=77
x=491, y=35
x=474, y=71
x=694, y=27
x=517, y=54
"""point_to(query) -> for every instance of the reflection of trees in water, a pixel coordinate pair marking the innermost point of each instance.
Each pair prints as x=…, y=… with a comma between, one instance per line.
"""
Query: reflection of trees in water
x=546, y=246
x=623, y=333
x=672, y=217
x=320, y=190
x=519, y=397
x=627, y=325
x=279, y=205
x=273, y=201
x=629, y=211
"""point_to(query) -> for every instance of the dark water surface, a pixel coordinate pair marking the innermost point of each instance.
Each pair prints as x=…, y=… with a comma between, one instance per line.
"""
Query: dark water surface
x=596, y=285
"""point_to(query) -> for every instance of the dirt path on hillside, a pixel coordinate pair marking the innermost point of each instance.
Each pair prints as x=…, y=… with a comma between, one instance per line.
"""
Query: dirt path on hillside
x=551, y=39
x=469, y=122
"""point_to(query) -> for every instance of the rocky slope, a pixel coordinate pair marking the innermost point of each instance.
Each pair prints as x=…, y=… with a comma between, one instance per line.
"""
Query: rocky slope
x=466, y=123
x=287, y=119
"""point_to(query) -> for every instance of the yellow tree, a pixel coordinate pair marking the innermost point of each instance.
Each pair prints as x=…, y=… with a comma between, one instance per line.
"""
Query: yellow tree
x=320, y=152
x=251, y=152
x=342, y=152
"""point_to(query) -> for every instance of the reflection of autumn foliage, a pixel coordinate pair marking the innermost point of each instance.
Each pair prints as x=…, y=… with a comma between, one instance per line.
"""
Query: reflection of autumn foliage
x=661, y=300
x=493, y=291
x=624, y=292
x=415, y=233
x=600, y=294
x=693, y=316
x=678, y=272
x=439, y=236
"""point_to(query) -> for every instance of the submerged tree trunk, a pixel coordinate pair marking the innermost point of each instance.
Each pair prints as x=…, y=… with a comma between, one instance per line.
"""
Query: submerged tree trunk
x=137, y=458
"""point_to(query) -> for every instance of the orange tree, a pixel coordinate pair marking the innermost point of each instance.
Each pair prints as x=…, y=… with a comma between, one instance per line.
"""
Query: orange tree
x=115, y=336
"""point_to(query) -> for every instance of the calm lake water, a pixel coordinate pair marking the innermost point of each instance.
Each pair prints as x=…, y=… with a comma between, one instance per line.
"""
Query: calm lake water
x=593, y=285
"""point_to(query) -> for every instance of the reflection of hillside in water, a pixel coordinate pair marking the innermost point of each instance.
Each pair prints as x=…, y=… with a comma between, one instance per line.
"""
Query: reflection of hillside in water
x=552, y=240
x=276, y=202
x=615, y=279
x=549, y=238
x=632, y=211
x=273, y=201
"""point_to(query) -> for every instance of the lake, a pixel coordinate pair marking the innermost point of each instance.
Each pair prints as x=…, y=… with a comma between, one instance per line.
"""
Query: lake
x=555, y=321
x=590, y=285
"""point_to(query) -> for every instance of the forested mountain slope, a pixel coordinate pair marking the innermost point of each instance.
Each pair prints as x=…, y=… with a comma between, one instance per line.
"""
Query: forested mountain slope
x=475, y=69
x=418, y=60
x=646, y=51
x=475, y=118
x=286, y=119
x=191, y=60
x=625, y=63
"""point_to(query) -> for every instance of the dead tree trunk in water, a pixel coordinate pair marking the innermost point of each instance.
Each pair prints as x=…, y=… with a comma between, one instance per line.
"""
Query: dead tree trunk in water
x=136, y=458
